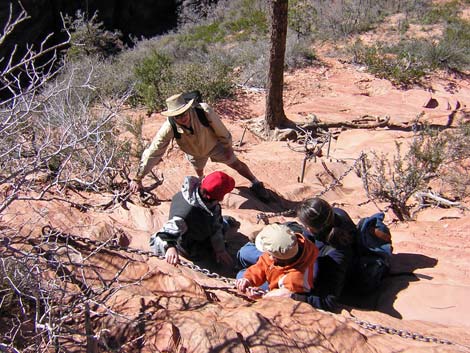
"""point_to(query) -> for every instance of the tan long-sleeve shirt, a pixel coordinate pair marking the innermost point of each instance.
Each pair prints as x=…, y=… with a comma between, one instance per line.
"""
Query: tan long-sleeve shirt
x=197, y=143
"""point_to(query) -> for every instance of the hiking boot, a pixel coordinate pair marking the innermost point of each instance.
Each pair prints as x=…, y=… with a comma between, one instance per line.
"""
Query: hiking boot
x=231, y=222
x=260, y=191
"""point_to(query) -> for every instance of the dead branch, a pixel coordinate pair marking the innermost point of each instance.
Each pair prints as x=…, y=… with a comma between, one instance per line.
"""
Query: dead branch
x=54, y=290
x=365, y=122
x=424, y=198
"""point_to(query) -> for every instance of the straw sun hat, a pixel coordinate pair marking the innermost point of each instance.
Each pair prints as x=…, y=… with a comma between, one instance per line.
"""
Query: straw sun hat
x=177, y=105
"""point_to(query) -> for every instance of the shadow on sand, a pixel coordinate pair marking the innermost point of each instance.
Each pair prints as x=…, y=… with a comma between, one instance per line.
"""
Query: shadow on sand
x=401, y=275
x=277, y=203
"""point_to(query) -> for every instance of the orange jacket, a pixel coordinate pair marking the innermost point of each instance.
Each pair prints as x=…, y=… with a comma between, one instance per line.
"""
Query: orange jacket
x=296, y=277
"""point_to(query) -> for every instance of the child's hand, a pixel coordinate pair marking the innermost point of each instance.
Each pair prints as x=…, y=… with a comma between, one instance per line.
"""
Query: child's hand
x=242, y=284
x=171, y=256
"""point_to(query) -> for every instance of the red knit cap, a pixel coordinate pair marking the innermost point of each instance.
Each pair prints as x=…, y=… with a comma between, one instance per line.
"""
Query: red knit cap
x=217, y=184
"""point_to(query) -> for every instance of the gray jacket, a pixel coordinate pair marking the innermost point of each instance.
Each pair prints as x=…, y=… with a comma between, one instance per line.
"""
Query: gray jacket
x=193, y=224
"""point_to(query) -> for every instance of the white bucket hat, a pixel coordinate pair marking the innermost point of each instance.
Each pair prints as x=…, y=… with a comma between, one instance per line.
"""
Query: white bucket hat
x=277, y=240
x=177, y=105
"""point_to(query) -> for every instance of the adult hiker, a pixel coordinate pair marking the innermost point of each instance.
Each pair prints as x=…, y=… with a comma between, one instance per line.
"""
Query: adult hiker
x=286, y=265
x=195, y=228
x=333, y=233
x=201, y=135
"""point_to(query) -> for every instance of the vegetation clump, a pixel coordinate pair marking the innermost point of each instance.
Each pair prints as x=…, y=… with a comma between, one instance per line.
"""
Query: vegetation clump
x=424, y=164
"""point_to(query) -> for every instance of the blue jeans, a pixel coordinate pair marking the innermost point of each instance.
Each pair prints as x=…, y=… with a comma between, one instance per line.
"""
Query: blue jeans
x=248, y=255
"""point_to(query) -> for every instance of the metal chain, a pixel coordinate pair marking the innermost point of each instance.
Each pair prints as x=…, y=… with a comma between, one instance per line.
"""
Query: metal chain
x=51, y=234
x=265, y=216
x=342, y=176
x=402, y=333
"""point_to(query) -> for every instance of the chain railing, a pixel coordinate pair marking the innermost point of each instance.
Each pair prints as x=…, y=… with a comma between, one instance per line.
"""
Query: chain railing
x=264, y=216
x=51, y=234
x=401, y=333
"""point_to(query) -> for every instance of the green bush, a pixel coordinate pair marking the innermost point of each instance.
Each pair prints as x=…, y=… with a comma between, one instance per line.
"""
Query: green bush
x=153, y=78
x=395, y=181
x=226, y=23
x=158, y=77
x=333, y=20
x=456, y=171
x=451, y=51
x=213, y=79
x=456, y=45
x=445, y=12
x=88, y=37
x=206, y=34
x=437, y=159
x=397, y=64
x=299, y=53
x=251, y=23
x=302, y=17
x=408, y=61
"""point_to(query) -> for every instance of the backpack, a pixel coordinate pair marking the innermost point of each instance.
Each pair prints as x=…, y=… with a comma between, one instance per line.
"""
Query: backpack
x=373, y=254
x=201, y=114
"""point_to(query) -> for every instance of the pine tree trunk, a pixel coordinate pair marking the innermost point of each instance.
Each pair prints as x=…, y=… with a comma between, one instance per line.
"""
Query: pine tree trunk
x=275, y=116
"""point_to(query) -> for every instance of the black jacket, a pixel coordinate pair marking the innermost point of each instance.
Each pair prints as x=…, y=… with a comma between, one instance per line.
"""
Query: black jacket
x=334, y=264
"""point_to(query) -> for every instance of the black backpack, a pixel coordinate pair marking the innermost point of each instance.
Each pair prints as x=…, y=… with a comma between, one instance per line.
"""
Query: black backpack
x=373, y=255
x=201, y=114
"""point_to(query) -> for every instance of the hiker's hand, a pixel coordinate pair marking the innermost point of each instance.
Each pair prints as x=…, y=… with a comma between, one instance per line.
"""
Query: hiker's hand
x=135, y=185
x=224, y=258
x=242, y=284
x=228, y=152
x=279, y=292
x=171, y=256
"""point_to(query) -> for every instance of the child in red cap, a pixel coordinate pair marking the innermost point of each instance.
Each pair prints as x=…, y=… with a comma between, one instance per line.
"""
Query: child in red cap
x=195, y=226
x=216, y=185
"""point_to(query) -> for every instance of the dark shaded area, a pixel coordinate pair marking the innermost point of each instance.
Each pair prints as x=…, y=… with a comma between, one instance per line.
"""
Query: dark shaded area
x=432, y=103
x=401, y=275
x=276, y=204
x=134, y=19
x=144, y=18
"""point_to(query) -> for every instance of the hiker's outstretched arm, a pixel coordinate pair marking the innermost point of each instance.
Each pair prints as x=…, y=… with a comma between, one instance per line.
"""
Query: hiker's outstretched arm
x=257, y=272
x=153, y=153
